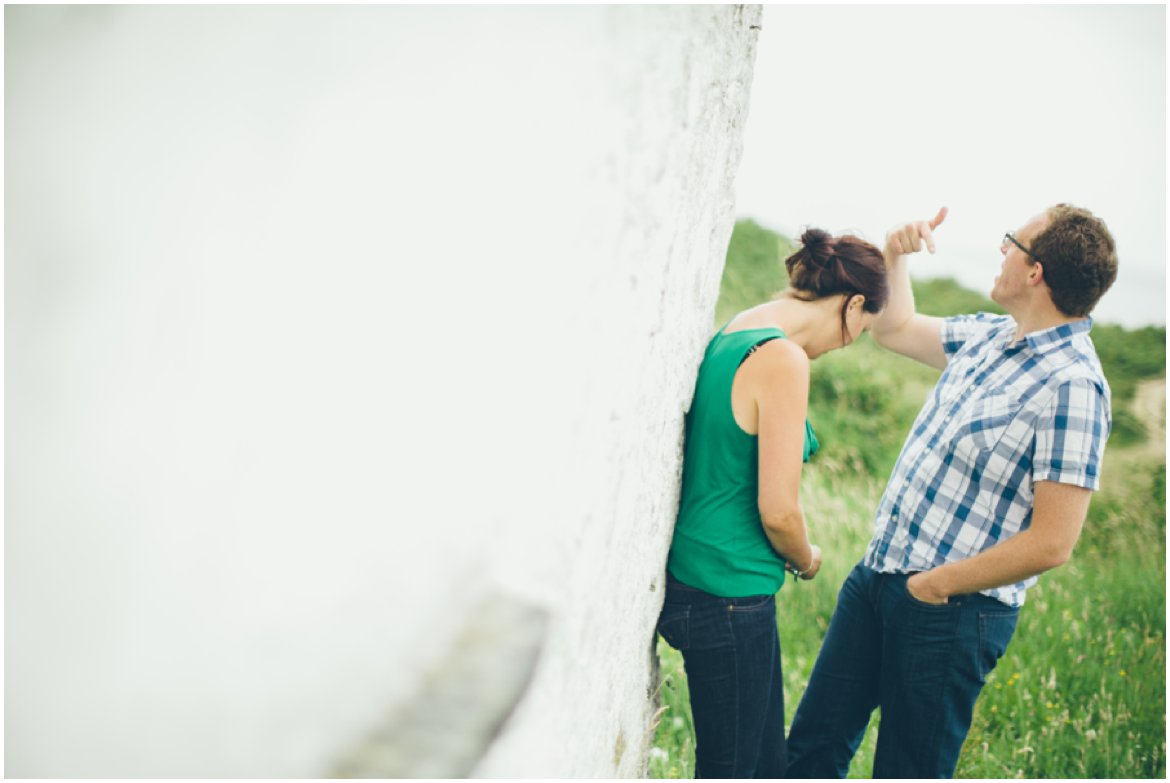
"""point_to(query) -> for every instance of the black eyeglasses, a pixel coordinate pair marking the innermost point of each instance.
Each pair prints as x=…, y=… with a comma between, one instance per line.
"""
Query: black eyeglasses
x=1010, y=237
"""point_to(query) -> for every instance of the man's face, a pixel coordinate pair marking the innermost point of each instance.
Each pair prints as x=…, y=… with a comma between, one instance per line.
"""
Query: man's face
x=1011, y=284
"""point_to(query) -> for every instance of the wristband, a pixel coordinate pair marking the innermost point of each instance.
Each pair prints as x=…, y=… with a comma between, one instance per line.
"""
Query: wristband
x=795, y=572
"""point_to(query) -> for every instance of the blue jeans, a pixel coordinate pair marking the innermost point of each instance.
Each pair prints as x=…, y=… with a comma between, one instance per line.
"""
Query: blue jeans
x=731, y=651
x=923, y=665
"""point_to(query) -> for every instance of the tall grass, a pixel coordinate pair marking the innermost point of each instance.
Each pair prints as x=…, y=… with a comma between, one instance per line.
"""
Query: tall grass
x=1081, y=690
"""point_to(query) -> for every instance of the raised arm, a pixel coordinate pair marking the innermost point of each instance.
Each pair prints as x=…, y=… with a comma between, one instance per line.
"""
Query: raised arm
x=779, y=384
x=900, y=328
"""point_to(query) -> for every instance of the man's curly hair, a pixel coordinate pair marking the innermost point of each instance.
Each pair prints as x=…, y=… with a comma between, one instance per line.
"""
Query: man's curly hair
x=1079, y=258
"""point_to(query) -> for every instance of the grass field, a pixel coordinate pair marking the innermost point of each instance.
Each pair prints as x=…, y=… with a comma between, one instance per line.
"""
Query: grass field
x=1081, y=690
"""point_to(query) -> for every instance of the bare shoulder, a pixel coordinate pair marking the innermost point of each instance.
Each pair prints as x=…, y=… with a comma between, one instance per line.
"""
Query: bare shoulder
x=780, y=359
x=785, y=353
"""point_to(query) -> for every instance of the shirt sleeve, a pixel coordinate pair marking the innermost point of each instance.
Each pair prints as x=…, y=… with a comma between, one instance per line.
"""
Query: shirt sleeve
x=959, y=329
x=1071, y=433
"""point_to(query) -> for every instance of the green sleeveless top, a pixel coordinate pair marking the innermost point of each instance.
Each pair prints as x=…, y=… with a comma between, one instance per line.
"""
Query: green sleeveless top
x=719, y=543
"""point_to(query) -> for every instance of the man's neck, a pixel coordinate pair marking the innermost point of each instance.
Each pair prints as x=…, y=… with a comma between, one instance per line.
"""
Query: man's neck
x=1039, y=320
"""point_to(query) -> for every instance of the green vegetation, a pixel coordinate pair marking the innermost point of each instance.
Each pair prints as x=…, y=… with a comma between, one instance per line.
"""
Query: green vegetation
x=1129, y=356
x=759, y=271
x=1081, y=691
x=943, y=296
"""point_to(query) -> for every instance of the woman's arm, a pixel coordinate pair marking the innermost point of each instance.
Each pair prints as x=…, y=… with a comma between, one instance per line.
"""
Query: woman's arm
x=779, y=382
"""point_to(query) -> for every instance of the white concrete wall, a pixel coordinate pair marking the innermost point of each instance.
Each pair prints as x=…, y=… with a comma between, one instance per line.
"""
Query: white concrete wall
x=347, y=354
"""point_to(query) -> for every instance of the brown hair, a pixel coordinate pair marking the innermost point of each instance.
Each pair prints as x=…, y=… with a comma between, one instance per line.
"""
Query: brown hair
x=1079, y=258
x=825, y=266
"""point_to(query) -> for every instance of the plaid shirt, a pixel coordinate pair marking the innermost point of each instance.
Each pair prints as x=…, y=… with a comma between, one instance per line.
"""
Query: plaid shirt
x=1003, y=416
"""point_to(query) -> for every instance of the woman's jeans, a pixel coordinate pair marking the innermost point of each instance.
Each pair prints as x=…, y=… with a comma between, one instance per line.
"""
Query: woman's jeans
x=924, y=665
x=732, y=655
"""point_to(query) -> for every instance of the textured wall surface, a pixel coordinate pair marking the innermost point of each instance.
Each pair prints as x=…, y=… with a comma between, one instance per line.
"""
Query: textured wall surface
x=347, y=353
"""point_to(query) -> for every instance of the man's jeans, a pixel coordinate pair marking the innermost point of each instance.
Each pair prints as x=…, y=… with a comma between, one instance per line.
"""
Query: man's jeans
x=923, y=665
x=732, y=655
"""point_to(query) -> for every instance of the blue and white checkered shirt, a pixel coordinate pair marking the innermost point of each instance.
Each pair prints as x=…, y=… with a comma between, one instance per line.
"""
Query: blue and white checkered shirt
x=1003, y=416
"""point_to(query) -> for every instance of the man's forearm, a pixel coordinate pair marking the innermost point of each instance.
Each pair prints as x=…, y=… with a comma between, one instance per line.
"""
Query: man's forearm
x=900, y=306
x=899, y=328
x=1057, y=518
x=1014, y=560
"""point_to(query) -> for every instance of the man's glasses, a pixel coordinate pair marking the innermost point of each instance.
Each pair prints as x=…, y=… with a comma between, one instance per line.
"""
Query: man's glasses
x=1010, y=237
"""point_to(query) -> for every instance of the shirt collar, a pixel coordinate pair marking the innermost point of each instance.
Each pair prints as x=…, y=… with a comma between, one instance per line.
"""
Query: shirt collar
x=1048, y=339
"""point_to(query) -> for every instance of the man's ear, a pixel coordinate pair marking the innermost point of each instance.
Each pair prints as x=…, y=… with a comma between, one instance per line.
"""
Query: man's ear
x=1036, y=273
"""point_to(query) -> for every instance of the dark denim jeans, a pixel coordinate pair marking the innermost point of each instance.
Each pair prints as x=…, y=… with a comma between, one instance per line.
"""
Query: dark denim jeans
x=732, y=655
x=923, y=665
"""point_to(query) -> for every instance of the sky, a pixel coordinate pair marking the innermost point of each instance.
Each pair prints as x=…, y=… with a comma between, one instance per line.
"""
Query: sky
x=863, y=117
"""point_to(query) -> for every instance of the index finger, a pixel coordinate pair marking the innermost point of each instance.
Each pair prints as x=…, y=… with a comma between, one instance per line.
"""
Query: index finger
x=939, y=218
x=928, y=235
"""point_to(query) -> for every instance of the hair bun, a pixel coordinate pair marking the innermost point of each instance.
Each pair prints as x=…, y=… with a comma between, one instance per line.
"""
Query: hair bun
x=818, y=246
x=826, y=266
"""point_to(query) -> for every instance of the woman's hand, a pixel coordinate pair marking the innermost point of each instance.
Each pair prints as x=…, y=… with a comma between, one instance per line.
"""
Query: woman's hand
x=908, y=237
x=816, y=563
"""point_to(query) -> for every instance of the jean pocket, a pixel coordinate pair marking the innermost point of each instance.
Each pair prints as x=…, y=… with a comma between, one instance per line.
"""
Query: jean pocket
x=674, y=625
x=752, y=603
x=922, y=604
x=995, y=631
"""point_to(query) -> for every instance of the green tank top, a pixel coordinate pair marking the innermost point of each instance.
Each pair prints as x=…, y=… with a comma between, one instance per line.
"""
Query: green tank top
x=719, y=544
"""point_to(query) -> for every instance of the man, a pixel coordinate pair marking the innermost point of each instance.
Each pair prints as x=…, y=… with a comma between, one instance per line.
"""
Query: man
x=991, y=489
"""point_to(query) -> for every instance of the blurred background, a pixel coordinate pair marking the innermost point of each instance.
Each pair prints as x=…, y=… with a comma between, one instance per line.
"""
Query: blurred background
x=863, y=117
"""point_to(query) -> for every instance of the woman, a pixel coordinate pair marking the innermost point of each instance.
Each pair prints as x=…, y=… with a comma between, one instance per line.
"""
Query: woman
x=740, y=525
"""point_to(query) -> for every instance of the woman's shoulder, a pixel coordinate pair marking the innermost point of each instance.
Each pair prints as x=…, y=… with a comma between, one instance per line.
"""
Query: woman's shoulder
x=778, y=371
x=781, y=356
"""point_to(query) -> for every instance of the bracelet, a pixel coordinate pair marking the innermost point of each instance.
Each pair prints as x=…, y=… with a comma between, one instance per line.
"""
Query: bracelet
x=794, y=571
